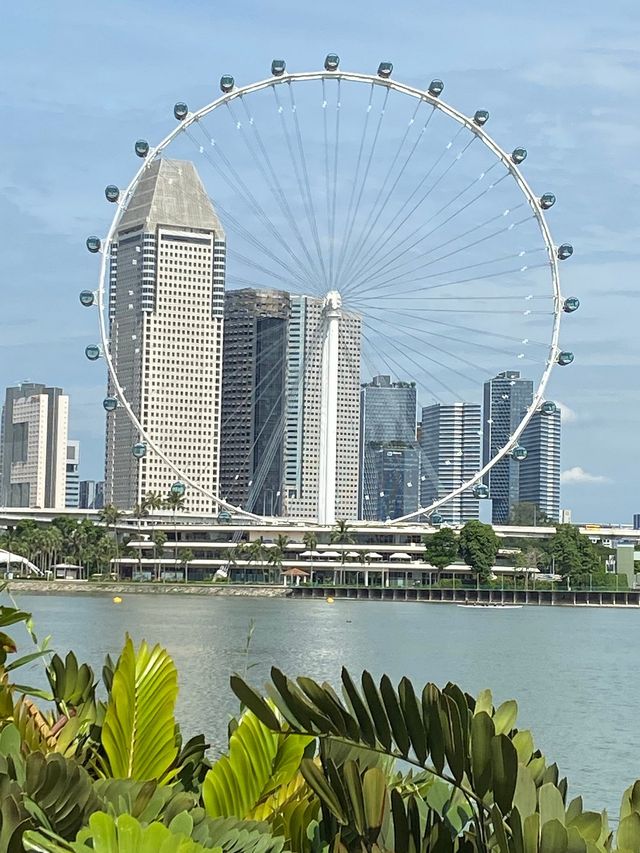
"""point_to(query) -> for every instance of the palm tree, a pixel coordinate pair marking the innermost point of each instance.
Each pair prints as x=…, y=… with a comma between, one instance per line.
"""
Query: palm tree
x=310, y=539
x=139, y=511
x=154, y=500
x=258, y=552
x=109, y=516
x=174, y=501
x=159, y=539
x=185, y=559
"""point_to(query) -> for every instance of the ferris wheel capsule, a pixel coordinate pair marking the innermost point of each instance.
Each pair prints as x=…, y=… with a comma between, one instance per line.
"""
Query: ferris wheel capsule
x=110, y=404
x=564, y=251
x=331, y=62
x=570, y=304
x=480, y=491
x=385, y=69
x=548, y=408
x=278, y=67
x=87, y=298
x=112, y=193
x=94, y=244
x=180, y=111
x=481, y=117
x=519, y=453
x=141, y=148
x=139, y=450
x=178, y=489
x=435, y=519
x=547, y=200
x=92, y=352
x=565, y=358
x=227, y=83
x=436, y=88
x=518, y=155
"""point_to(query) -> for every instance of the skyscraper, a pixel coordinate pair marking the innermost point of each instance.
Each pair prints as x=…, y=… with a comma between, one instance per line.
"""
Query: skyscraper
x=506, y=397
x=540, y=471
x=87, y=494
x=253, y=399
x=303, y=405
x=450, y=445
x=389, y=452
x=33, y=446
x=72, y=489
x=166, y=310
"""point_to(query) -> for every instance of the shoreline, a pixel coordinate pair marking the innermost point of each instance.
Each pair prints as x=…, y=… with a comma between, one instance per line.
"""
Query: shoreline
x=68, y=587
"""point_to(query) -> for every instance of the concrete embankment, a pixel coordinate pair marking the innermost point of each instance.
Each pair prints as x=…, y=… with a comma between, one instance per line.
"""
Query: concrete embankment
x=17, y=587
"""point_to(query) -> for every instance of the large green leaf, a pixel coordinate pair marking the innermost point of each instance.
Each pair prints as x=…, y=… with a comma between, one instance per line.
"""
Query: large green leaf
x=138, y=734
x=259, y=761
x=504, y=766
x=482, y=734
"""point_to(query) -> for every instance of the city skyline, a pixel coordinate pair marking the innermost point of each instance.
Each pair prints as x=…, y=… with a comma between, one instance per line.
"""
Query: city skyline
x=545, y=121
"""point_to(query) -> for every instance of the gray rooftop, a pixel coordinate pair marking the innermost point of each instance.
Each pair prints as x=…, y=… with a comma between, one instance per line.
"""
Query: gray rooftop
x=170, y=193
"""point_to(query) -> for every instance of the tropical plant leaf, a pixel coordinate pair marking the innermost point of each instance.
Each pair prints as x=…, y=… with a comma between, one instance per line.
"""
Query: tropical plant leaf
x=482, y=734
x=138, y=734
x=504, y=767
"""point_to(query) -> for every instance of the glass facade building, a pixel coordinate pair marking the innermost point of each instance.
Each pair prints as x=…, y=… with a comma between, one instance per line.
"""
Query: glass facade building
x=540, y=471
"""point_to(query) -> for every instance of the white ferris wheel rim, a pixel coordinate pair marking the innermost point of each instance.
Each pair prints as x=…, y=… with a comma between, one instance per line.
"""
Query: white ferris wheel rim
x=402, y=88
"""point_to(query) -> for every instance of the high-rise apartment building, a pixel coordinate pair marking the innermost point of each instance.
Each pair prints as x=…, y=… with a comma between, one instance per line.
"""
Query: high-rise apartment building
x=450, y=445
x=540, y=471
x=72, y=488
x=506, y=397
x=166, y=324
x=254, y=362
x=389, y=452
x=303, y=409
x=33, y=446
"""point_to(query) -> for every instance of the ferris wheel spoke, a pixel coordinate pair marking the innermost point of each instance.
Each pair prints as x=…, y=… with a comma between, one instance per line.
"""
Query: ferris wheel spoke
x=382, y=203
x=269, y=174
x=240, y=187
x=346, y=243
x=401, y=253
x=249, y=262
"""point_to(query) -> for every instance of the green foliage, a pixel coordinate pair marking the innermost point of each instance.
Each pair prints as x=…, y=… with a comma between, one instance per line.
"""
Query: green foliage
x=572, y=553
x=138, y=733
x=478, y=547
x=441, y=548
x=528, y=514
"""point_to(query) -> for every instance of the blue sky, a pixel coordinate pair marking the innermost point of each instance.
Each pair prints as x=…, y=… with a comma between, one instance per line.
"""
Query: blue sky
x=80, y=82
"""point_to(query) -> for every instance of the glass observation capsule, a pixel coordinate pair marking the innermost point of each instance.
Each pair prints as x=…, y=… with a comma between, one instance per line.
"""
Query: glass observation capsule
x=547, y=201
x=519, y=453
x=180, y=110
x=112, y=193
x=435, y=88
x=565, y=251
x=139, y=450
x=385, y=69
x=224, y=517
x=548, y=408
x=481, y=117
x=481, y=491
x=571, y=304
x=110, y=404
x=331, y=62
x=435, y=518
x=278, y=67
x=94, y=244
x=141, y=147
x=565, y=358
x=92, y=352
x=87, y=298
x=227, y=83
x=178, y=489
x=518, y=155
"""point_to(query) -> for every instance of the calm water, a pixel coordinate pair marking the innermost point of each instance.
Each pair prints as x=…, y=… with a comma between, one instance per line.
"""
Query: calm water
x=574, y=672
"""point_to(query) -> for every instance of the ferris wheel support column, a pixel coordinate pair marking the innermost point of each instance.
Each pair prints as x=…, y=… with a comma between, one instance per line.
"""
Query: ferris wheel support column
x=329, y=410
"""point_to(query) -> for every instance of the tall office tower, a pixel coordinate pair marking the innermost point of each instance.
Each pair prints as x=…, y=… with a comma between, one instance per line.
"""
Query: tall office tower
x=389, y=452
x=72, y=489
x=450, y=445
x=87, y=494
x=506, y=396
x=254, y=361
x=98, y=502
x=303, y=404
x=33, y=446
x=166, y=311
x=540, y=471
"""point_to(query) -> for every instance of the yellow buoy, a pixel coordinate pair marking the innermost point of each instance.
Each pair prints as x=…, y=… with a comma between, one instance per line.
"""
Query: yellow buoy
x=117, y=599
x=329, y=599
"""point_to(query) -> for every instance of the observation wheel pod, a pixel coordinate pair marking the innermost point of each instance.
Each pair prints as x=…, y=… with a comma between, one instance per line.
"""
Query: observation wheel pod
x=519, y=453
x=435, y=519
x=110, y=404
x=139, y=450
x=92, y=352
x=565, y=357
x=178, y=489
x=94, y=244
x=570, y=304
x=87, y=298
x=548, y=407
x=319, y=230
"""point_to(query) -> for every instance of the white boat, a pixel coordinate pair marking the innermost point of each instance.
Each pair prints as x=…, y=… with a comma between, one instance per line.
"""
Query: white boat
x=493, y=605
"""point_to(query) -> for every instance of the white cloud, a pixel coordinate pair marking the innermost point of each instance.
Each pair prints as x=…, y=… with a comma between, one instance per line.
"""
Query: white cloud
x=578, y=475
x=568, y=415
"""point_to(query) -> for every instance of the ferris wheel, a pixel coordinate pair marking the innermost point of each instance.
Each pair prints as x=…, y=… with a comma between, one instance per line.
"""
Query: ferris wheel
x=385, y=204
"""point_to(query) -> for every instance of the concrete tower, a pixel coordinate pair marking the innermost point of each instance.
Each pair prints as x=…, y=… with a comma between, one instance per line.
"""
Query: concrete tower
x=166, y=327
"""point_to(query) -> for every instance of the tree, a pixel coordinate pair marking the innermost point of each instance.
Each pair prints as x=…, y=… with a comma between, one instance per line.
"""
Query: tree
x=441, y=548
x=175, y=502
x=185, y=558
x=341, y=534
x=573, y=554
x=159, y=539
x=478, y=547
x=110, y=515
x=310, y=539
x=528, y=514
